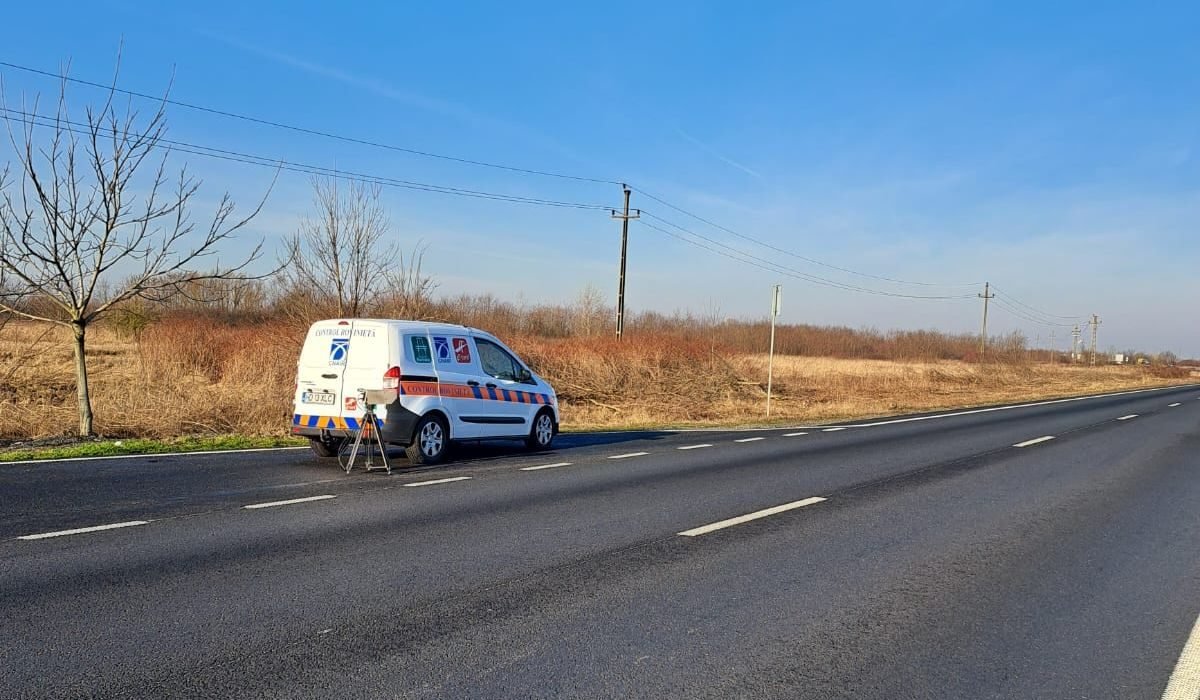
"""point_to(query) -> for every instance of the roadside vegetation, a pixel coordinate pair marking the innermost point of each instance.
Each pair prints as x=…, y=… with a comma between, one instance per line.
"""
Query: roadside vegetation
x=205, y=375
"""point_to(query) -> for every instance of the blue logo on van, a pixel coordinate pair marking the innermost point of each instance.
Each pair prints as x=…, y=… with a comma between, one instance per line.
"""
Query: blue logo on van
x=441, y=348
x=338, y=351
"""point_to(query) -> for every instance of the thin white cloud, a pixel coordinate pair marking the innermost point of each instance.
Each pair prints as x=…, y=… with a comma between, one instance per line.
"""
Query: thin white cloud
x=726, y=160
x=389, y=91
x=372, y=85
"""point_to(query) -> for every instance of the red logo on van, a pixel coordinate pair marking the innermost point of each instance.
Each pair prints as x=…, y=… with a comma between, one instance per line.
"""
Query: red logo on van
x=462, y=351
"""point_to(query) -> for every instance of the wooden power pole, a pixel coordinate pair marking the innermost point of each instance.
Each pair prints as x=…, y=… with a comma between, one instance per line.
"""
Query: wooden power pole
x=983, y=331
x=625, y=216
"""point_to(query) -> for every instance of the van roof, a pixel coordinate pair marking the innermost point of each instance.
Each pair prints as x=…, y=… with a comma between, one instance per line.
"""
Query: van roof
x=406, y=325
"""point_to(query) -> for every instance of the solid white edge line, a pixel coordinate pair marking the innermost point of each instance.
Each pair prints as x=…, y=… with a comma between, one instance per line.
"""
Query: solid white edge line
x=832, y=430
x=546, y=466
x=82, y=530
x=290, y=501
x=730, y=522
x=629, y=454
x=438, y=481
x=794, y=434
x=1184, y=683
x=693, y=447
x=752, y=439
x=1173, y=405
x=1128, y=417
x=196, y=453
x=1034, y=441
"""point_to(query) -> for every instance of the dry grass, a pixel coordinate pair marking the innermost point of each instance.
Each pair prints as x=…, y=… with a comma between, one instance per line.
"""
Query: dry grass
x=825, y=389
x=191, y=376
x=176, y=379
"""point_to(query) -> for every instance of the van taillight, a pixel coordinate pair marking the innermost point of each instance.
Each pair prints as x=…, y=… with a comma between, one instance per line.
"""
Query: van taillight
x=391, y=378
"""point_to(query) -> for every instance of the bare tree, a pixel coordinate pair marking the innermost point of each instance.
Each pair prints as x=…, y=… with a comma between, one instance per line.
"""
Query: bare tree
x=90, y=219
x=409, y=291
x=340, y=253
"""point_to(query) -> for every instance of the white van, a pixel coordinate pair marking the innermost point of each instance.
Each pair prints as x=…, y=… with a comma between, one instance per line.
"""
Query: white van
x=451, y=383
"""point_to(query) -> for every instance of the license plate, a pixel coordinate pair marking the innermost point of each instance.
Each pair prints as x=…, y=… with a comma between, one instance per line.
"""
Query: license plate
x=322, y=398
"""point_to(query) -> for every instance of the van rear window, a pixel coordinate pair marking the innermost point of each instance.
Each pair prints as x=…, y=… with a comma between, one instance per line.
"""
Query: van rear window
x=420, y=349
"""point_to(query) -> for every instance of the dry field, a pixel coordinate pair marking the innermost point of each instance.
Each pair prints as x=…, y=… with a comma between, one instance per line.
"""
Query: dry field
x=202, y=377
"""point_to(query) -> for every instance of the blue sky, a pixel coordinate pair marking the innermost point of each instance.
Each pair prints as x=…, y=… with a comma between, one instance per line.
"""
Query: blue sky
x=1050, y=148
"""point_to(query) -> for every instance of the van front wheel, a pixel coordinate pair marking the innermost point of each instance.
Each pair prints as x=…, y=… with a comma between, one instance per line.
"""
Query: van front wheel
x=431, y=439
x=542, y=432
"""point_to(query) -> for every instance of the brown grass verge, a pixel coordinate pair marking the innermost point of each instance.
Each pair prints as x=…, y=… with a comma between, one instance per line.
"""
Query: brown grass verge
x=195, y=376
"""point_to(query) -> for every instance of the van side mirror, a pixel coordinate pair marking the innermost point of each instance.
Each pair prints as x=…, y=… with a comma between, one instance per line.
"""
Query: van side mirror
x=524, y=375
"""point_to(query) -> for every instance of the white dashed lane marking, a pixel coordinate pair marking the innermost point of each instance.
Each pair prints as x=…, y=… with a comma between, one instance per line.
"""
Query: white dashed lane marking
x=439, y=481
x=722, y=524
x=290, y=501
x=83, y=530
x=1185, y=679
x=628, y=455
x=831, y=430
x=546, y=466
x=752, y=439
x=1034, y=441
x=794, y=434
x=1173, y=405
x=1131, y=415
x=693, y=447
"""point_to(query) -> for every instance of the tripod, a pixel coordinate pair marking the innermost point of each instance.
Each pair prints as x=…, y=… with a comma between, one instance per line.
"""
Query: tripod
x=370, y=430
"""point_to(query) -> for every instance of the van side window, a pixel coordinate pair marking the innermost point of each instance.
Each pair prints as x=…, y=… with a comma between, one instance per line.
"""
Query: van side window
x=419, y=349
x=498, y=363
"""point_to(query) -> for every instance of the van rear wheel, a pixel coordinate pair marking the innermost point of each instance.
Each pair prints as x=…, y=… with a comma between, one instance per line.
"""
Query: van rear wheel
x=542, y=432
x=326, y=448
x=431, y=440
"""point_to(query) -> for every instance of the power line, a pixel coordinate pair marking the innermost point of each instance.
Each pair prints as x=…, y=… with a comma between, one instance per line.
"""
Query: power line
x=770, y=266
x=1000, y=301
x=299, y=167
x=777, y=249
x=80, y=128
x=1035, y=310
x=305, y=130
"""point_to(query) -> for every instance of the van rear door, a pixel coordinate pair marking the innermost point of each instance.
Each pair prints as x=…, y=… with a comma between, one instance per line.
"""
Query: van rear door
x=369, y=358
x=319, y=375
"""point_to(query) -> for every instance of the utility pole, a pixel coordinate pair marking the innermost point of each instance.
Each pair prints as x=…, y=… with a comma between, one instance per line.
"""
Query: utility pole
x=1095, y=324
x=1053, y=350
x=776, y=298
x=1075, y=343
x=983, y=332
x=624, y=217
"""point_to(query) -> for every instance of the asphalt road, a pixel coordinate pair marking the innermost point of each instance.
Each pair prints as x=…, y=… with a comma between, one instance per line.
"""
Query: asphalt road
x=926, y=557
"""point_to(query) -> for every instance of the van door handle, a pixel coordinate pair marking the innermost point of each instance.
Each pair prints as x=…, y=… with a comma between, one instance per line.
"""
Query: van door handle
x=490, y=385
x=329, y=376
x=472, y=382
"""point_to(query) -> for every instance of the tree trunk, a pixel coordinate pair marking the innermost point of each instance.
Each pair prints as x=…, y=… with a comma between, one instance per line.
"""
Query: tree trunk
x=83, y=393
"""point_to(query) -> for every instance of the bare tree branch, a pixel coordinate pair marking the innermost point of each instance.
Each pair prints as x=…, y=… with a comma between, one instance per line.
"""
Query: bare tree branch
x=340, y=254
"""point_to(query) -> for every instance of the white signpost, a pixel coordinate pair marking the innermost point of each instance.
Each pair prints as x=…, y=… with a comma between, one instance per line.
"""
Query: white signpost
x=776, y=298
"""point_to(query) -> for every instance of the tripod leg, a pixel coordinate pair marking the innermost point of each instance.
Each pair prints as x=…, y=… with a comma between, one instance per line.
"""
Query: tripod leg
x=382, y=448
x=354, y=450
